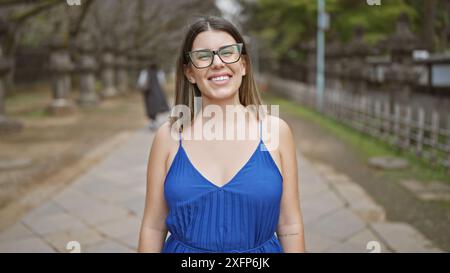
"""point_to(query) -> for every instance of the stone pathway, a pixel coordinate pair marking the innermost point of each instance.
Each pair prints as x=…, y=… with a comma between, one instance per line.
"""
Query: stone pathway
x=102, y=210
x=339, y=216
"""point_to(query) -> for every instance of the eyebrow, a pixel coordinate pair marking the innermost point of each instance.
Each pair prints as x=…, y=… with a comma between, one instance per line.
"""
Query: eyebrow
x=213, y=49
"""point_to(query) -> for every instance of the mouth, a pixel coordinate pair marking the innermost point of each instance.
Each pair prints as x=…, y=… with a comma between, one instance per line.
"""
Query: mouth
x=220, y=79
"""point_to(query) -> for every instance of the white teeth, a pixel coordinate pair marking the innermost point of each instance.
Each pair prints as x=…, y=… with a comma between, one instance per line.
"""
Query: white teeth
x=221, y=78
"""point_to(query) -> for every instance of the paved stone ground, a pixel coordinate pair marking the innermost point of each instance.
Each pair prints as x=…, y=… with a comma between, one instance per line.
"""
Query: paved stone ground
x=102, y=210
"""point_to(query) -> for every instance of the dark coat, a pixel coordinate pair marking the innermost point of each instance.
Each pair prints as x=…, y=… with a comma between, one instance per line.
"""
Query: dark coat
x=155, y=98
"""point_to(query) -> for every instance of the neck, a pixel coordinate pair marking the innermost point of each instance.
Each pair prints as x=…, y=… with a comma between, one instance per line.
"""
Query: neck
x=222, y=103
x=225, y=114
x=226, y=107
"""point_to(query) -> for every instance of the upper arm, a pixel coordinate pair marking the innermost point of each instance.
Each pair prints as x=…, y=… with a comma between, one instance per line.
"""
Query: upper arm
x=290, y=213
x=156, y=209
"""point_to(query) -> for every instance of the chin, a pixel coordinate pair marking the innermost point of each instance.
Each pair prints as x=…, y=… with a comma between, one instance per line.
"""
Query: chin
x=221, y=93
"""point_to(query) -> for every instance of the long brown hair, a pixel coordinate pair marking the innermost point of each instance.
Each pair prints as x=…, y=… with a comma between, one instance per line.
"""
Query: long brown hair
x=185, y=90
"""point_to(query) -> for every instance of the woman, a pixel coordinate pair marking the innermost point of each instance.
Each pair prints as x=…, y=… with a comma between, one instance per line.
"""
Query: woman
x=215, y=195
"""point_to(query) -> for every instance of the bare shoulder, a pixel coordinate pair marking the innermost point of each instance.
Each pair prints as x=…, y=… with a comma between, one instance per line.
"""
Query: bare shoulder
x=163, y=132
x=284, y=135
x=165, y=141
x=284, y=128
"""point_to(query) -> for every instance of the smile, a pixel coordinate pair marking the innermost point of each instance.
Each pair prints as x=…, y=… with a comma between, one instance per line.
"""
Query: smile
x=221, y=80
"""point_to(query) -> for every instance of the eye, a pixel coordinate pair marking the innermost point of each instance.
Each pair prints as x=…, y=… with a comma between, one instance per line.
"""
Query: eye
x=203, y=55
x=227, y=52
x=230, y=50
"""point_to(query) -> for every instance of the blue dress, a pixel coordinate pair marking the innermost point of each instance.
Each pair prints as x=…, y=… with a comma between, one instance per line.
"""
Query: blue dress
x=240, y=216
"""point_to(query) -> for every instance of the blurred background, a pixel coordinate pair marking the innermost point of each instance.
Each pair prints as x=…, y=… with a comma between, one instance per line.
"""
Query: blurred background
x=364, y=85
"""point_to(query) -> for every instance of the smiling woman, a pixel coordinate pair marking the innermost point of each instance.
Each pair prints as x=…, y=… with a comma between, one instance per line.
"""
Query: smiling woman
x=221, y=195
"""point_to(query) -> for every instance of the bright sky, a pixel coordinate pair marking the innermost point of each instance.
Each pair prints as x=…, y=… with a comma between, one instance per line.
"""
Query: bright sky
x=229, y=8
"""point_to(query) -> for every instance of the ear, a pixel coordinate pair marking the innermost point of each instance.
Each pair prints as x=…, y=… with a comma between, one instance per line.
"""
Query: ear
x=244, y=66
x=189, y=74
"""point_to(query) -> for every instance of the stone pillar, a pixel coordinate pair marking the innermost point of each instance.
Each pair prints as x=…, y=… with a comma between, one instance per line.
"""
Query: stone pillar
x=334, y=65
x=133, y=70
x=107, y=74
x=87, y=68
x=400, y=77
x=4, y=69
x=310, y=49
x=60, y=67
x=6, y=124
x=121, y=66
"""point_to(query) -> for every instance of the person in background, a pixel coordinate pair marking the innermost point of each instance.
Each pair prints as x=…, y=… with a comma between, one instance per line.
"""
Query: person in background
x=154, y=97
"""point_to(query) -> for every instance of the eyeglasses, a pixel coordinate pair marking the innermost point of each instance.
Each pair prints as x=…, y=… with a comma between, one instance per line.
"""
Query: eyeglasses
x=204, y=57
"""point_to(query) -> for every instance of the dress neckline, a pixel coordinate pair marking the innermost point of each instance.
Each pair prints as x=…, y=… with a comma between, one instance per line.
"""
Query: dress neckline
x=233, y=178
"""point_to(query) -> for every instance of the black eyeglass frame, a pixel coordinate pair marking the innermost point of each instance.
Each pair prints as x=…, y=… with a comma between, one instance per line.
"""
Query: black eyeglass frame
x=215, y=52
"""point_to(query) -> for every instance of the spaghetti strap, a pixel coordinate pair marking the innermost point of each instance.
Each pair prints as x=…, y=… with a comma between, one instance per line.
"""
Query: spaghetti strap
x=179, y=135
x=260, y=130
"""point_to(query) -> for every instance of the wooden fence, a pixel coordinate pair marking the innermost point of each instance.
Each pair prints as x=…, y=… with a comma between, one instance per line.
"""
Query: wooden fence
x=424, y=133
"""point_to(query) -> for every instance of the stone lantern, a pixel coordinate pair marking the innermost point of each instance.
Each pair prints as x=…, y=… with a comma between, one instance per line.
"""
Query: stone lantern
x=121, y=65
x=334, y=63
x=60, y=67
x=134, y=69
x=310, y=49
x=6, y=124
x=400, y=76
x=356, y=69
x=87, y=66
x=107, y=73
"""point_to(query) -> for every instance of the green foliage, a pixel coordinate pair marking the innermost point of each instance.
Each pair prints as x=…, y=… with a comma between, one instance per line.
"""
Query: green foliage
x=286, y=24
x=378, y=21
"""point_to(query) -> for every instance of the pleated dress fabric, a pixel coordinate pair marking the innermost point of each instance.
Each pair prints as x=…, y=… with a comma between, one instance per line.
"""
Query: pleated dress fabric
x=241, y=216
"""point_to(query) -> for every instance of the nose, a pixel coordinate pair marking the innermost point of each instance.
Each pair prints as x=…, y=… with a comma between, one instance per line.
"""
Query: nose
x=217, y=61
